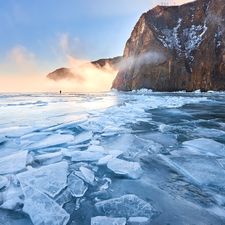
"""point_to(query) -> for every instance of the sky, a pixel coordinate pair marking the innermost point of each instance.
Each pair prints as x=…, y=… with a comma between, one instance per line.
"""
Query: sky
x=39, y=36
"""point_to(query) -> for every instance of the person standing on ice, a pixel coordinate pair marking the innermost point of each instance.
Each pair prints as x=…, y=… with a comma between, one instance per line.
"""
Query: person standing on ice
x=60, y=92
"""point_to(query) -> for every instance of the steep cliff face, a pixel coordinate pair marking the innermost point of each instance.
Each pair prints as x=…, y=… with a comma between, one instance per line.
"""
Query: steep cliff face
x=68, y=74
x=175, y=48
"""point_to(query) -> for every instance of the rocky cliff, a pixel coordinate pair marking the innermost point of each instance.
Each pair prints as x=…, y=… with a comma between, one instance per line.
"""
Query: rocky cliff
x=175, y=48
x=66, y=73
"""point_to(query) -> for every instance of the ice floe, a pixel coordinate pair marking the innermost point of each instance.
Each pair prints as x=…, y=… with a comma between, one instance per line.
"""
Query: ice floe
x=126, y=168
x=138, y=221
x=49, y=179
x=206, y=146
x=100, y=220
x=49, y=158
x=78, y=156
x=76, y=186
x=13, y=163
x=42, y=209
x=3, y=181
x=52, y=140
x=202, y=170
x=82, y=137
x=127, y=205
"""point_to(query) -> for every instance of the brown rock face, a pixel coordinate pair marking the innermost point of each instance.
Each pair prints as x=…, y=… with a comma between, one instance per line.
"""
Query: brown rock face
x=175, y=48
x=65, y=73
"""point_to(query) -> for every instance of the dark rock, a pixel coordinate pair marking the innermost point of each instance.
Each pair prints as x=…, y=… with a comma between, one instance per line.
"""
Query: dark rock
x=174, y=48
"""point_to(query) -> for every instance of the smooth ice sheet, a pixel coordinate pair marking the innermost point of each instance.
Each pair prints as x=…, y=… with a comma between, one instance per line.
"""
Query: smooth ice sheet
x=49, y=179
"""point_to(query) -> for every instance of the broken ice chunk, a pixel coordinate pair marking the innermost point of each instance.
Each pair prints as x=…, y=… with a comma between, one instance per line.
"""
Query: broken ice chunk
x=13, y=163
x=63, y=198
x=2, y=138
x=138, y=221
x=206, y=146
x=100, y=220
x=204, y=171
x=76, y=186
x=30, y=159
x=127, y=205
x=95, y=148
x=82, y=137
x=104, y=160
x=12, y=204
x=54, y=139
x=88, y=175
x=129, y=169
x=115, y=153
x=3, y=181
x=48, y=158
x=50, y=179
x=78, y=156
x=42, y=209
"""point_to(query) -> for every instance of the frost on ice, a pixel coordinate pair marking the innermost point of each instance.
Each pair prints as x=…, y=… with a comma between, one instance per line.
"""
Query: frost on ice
x=126, y=205
x=100, y=220
x=78, y=156
x=122, y=167
x=50, y=179
x=13, y=163
x=42, y=209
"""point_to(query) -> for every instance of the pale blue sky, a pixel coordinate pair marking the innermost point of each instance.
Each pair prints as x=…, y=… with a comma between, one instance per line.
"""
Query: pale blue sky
x=42, y=32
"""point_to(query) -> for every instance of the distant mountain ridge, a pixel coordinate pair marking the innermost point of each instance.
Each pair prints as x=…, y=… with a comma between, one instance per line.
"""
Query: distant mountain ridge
x=70, y=73
x=174, y=48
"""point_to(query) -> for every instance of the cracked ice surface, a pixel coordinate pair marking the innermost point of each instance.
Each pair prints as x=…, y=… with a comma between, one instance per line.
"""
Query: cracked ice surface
x=13, y=163
x=50, y=179
x=42, y=209
x=100, y=220
x=126, y=205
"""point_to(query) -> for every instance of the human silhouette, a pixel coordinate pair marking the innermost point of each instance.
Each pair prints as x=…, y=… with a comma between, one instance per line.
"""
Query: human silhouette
x=60, y=92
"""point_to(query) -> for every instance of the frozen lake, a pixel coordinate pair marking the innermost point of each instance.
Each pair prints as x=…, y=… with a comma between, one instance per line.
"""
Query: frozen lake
x=112, y=158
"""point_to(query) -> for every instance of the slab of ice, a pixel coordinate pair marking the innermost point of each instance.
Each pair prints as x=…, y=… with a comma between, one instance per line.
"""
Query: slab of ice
x=206, y=146
x=13, y=163
x=42, y=209
x=50, y=158
x=104, y=160
x=67, y=125
x=16, y=131
x=54, y=139
x=2, y=138
x=129, y=144
x=138, y=221
x=208, y=133
x=100, y=220
x=202, y=170
x=82, y=137
x=88, y=175
x=95, y=148
x=64, y=197
x=76, y=186
x=78, y=156
x=127, y=205
x=35, y=136
x=12, y=204
x=115, y=153
x=49, y=179
x=129, y=169
x=3, y=181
